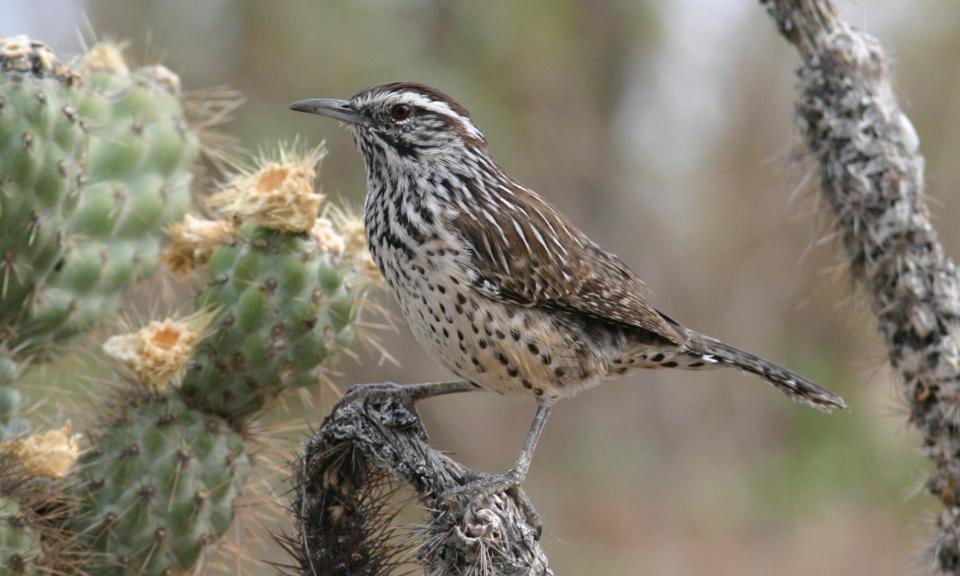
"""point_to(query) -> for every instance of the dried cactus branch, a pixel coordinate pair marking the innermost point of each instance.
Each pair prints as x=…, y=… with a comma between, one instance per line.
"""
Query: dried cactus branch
x=872, y=177
x=371, y=442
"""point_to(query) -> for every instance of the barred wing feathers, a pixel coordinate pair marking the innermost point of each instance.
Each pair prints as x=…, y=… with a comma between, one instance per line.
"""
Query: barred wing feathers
x=522, y=250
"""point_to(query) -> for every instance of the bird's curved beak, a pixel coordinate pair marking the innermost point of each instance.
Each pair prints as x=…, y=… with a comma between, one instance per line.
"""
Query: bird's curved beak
x=332, y=107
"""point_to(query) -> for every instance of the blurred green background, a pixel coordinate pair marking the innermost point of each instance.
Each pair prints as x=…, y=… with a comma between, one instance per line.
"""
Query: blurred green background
x=664, y=130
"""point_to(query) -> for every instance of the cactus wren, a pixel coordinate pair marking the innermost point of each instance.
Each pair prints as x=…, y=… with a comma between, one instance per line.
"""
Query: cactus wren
x=497, y=283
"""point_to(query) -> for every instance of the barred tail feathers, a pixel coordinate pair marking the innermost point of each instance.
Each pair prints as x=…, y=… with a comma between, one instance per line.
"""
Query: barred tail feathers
x=797, y=387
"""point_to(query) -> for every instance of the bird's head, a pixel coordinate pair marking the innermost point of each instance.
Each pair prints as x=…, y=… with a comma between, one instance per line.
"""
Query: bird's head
x=402, y=122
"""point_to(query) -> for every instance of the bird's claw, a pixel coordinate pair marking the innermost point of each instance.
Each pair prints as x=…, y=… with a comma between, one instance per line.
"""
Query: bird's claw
x=490, y=484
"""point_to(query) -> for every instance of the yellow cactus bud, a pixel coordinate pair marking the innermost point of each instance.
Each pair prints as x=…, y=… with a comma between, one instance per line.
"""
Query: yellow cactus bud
x=193, y=241
x=156, y=353
x=106, y=55
x=277, y=194
x=47, y=455
x=327, y=237
x=351, y=227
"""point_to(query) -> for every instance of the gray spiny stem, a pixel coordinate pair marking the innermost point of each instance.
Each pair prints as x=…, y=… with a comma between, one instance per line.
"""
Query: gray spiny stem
x=872, y=176
x=368, y=446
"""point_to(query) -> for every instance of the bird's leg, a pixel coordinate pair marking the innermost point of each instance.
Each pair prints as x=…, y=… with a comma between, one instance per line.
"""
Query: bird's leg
x=493, y=483
x=408, y=392
x=518, y=472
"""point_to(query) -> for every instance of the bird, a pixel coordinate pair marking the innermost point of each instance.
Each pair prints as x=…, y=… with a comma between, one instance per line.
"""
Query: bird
x=499, y=285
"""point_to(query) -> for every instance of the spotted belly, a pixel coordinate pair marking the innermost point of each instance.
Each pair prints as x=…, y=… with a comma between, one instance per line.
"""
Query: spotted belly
x=513, y=349
x=497, y=346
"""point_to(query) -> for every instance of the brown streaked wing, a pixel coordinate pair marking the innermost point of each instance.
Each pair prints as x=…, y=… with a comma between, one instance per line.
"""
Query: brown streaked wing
x=524, y=251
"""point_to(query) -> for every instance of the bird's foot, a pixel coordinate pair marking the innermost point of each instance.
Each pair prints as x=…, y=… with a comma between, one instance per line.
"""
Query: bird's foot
x=484, y=485
x=487, y=485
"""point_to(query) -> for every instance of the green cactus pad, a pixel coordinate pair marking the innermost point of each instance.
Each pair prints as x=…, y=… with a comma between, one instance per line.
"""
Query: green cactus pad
x=137, y=180
x=141, y=152
x=283, y=308
x=42, y=141
x=20, y=544
x=159, y=488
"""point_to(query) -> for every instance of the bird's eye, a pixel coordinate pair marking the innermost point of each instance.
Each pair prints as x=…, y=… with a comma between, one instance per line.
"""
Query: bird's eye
x=401, y=112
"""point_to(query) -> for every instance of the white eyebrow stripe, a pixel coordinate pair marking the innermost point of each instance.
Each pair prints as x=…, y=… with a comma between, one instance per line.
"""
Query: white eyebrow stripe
x=442, y=108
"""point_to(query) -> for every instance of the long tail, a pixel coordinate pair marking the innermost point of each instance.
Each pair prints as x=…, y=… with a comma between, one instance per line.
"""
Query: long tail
x=800, y=389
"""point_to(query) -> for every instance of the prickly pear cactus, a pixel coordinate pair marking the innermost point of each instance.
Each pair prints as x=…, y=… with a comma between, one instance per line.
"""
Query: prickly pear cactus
x=42, y=142
x=283, y=310
x=137, y=176
x=95, y=163
x=285, y=296
x=161, y=483
x=159, y=487
x=20, y=546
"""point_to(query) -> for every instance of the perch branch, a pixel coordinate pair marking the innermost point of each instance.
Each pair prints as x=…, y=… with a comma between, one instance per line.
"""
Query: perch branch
x=872, y=177
x=345, y=491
